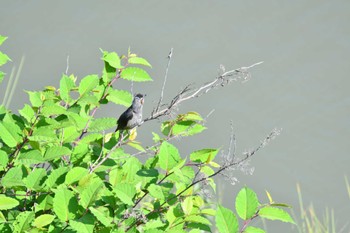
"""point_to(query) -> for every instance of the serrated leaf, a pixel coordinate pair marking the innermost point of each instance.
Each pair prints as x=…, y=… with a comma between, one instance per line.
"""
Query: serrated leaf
x=125, y=192
x=102, y=215
x=53, y=109
x=35, y=98
x=65, y=205
x=43, y=220
x=87, y=84
x=10, y=133
x=84, y=224
x=225, y=220
x=139, y=61
x=101, y=124
x=274, y=213
x=187, y=205
x=30, y=157
x=90, y=194
x=246, y=203
x=204, y=155
x=169, y=156
x=112, y=58
x=13, y=178
x=75, y=175
x=27, y=112
x=66, y=85
x=136, y=145
x=56, y=177
x=120, y=97
x=251, y=229
x=7, y=203
x=34, y=180
x=4, y=159
x=55, y=152
x=23, y=221
x=197, y=219
x=135, y=74
x=156, y=191
x=210, y=212
x=4, y=59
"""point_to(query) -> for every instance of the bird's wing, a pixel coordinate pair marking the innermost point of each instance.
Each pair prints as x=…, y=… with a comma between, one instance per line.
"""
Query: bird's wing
x=124, y=118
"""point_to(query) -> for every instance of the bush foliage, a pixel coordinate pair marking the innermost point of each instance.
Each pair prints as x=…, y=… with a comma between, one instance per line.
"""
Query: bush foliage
x=61, y=172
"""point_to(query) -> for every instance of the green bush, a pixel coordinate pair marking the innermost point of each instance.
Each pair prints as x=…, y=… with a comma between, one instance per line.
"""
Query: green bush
x=61, y=172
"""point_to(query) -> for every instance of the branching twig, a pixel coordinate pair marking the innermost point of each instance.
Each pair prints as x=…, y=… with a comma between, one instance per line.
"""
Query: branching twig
x=188, y=93
x=165, y=78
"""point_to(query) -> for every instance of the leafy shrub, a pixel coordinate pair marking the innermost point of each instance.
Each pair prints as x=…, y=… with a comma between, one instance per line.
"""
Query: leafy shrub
x=61, y=172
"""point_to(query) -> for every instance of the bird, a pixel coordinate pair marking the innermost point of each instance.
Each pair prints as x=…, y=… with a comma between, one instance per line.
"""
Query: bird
x=132, y=116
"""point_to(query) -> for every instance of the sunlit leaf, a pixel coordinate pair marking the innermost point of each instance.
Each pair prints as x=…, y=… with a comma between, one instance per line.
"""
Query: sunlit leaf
x=168, y=156
x=65, y=205
x=7, y=203
x=120, y=97
x=246, y=203
x=225, y=220
x=43, y=220
x=139, y=61
x=274, y=213
x=87, y=84
x=135, y=74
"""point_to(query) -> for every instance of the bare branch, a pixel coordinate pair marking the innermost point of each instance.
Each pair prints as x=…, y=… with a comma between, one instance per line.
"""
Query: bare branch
x=188, y=93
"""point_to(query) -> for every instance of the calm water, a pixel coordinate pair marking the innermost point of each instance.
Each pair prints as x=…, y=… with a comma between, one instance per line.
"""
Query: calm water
x=302, y=87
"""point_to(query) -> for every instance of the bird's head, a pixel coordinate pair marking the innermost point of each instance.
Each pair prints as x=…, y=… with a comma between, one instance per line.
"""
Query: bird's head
x=138, y=101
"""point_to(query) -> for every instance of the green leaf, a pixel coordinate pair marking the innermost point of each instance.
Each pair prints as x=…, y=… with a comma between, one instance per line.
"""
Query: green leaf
x=35, y=98
x=53, y=109
x=246, y=203
x=102, y=215
x=135, y=74
x=65, y=205
x=112, y=58
x=90, y=194
x=4, y=59
x=169, y=156
x=7, y=203
x=87, y=84
x=274, y=213
x=10, y=133
x=84, y=224
x=75, y=175
x=27, y=112
x=101, y=124
x=55, y=152
x=120, y=97
x=251, y=229
x=13, y=178
x=23, y=221
x=30, y=157
x=204, y=155
x=139, y=61
x=136, y=145
x=156, y=191
x=2, y=39
x=66, y=85
x=34, y=180
x=226, y=221
x=4, y=159
x=43, y=220
x=187, y=205
x=197, y=219
x=125, y=192
x=56, y=177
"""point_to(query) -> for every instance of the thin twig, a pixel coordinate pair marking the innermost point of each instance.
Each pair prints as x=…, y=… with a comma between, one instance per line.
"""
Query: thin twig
x=67, y=67
x=165, y=78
